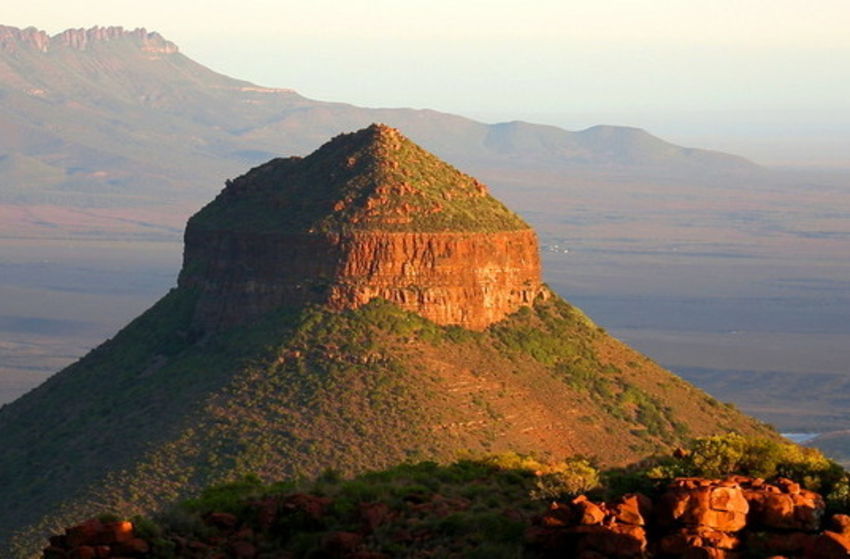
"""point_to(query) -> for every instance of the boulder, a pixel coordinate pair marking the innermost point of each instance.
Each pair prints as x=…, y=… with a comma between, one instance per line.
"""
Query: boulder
x=829, y=545
x=779, y=543
x=114, y=532
x=715, y=538
x=839, y=523
x=698, y=502
x=616, y=541
x=585, y=512
x=132, y=548
x=559, y=514
x=800, y=510
x=81, y=534
x=633, y=508
x=677, y=543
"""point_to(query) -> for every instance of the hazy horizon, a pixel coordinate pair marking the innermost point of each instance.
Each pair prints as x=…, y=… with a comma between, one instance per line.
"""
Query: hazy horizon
x=755, y=79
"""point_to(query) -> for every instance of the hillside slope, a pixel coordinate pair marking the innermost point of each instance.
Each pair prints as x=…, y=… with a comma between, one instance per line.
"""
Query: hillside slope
x=153, y=415
x=289, y=346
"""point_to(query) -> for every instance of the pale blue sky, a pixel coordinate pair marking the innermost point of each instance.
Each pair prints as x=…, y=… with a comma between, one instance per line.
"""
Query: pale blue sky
x=762, y=78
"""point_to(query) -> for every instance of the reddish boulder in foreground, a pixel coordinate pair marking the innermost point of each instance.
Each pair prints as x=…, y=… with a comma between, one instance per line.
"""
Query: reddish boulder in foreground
x=783, y=505
x=829, y=545
x=585, y=512
x=94, y=539
x=698, y=518
x=632, y=508
x=715, y=504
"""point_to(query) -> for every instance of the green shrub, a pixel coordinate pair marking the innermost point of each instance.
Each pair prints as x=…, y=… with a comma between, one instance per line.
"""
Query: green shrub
x=227, y=497
x=722, y=455
x=718, y=456
x=838, y=496
x=569, y=479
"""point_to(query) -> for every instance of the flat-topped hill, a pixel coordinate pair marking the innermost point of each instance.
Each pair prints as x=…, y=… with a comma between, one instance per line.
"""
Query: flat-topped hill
x=302, y=338
x=369, y=214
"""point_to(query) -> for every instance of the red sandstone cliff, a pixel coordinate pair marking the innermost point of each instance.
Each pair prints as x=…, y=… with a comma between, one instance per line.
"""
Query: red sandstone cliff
x=246, y=257
x=469, y=279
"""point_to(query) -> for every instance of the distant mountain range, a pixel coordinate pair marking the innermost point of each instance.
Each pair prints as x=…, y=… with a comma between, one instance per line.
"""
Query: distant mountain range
x=113, y=121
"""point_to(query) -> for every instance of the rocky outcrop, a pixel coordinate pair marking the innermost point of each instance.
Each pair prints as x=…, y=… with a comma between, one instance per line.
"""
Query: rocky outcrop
x=717, y=505
x=468, y=279
x=367, y=215
x=697, y=518
x=12, y=39
x=95, y=539
x=82, y=38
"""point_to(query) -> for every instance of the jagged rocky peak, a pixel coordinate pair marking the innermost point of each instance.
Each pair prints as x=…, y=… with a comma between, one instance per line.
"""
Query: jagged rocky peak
x=12, y=38
x=369, y=214
x=82, y=38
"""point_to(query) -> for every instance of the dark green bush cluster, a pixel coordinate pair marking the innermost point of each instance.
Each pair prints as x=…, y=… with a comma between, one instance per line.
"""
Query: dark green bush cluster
x=485, y=487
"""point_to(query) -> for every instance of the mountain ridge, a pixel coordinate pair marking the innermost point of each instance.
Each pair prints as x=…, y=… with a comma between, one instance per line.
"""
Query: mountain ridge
x=80, y=38
x=123, y=127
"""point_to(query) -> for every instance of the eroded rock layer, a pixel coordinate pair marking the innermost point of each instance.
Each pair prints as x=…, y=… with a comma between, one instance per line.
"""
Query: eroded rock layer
x=468, y=279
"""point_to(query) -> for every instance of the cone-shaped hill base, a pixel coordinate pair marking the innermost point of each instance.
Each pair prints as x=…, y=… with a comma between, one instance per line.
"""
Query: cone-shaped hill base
x=291, y=345
x=152, y=415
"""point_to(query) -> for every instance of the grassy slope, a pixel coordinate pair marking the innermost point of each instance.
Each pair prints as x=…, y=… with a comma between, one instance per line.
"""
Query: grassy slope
x=153, y=415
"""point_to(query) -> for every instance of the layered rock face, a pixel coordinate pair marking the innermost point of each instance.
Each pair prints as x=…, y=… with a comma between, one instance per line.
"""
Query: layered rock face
x=12, y=39
x=367, y=215
x=468, y=279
